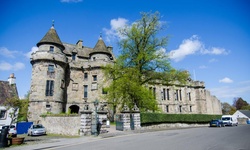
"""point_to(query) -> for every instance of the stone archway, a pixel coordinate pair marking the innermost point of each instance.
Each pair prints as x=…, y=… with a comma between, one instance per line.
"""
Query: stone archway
x=74, y=109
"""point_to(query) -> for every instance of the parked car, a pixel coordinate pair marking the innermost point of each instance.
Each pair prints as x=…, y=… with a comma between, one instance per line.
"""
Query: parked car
x=37, y=129
x=216, y=123
x=229, y=120
x=11, y=130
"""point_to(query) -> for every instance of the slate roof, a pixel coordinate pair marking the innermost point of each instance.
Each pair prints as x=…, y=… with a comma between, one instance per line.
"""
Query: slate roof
x=100, y=47
x=245, y=112
x=7, y=91
x=51, y=37
x=81, y=52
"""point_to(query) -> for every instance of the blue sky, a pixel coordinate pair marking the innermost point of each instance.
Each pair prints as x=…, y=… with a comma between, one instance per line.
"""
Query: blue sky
x=209, y=38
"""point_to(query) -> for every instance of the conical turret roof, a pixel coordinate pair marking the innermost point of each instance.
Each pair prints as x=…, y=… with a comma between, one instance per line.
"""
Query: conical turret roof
x=100, y=47
x=51, y=37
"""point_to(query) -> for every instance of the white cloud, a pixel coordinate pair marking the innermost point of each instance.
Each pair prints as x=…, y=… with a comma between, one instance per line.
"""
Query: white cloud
x=7, y=66
x=215, y=51
x=33, y=49
x=7, y=53
x=226, y=80
x=188, y=47
x=192, y=46
x=115, y=24
x=71, y=1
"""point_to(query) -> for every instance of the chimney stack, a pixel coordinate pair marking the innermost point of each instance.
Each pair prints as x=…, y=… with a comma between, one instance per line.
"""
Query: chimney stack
x=79, y=44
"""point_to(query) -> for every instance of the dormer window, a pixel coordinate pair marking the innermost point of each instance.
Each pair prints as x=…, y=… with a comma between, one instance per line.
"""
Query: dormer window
x=51, y=49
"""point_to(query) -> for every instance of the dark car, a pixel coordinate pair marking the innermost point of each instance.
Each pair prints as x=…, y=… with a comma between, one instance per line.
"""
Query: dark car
x=216, y=123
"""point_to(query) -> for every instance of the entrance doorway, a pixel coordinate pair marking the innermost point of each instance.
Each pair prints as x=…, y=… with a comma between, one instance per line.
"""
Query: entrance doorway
x=74, y=109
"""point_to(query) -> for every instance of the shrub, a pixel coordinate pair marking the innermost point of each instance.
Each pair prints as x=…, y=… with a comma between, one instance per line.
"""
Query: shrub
x=157, y=118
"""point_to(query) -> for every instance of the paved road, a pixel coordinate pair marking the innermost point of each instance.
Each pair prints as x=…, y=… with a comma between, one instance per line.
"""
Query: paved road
x=226, y=138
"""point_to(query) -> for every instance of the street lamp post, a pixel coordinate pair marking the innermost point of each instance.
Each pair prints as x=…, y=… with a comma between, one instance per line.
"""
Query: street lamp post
x=96, y=103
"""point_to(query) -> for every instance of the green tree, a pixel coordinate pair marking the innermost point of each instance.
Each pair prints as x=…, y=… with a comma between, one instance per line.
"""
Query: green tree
x=246, y=107
x=239, y=103
x=23, y=111
x=12, y=106
x=143, y=61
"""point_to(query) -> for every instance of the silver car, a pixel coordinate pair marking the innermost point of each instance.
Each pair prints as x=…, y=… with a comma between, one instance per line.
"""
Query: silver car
x=36, y=129
x=11, y=130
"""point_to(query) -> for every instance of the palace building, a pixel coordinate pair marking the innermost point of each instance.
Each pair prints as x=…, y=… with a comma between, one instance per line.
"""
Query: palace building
x=67, y=76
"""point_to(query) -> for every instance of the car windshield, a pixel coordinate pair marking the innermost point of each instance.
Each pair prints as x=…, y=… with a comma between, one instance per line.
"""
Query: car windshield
x=215, y=120
x=7, y=127
x=226, y=118
x=37, y=126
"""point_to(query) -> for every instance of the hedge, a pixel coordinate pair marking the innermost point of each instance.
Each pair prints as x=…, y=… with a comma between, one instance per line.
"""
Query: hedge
x=156, y=118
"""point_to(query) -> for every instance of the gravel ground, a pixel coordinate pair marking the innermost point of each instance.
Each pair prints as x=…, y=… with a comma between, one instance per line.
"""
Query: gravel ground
x=41, y=139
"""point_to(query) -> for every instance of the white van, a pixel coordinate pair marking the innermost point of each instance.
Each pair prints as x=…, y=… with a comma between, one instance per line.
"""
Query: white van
x=229, y=120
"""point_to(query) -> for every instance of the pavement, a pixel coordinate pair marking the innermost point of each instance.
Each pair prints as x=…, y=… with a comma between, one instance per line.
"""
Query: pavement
x=46, y=142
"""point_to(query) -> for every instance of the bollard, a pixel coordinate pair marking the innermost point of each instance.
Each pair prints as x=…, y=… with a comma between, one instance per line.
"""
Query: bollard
x=4, y=138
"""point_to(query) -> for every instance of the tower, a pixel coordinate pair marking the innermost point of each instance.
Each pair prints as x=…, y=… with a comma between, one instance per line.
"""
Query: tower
x=48, y=76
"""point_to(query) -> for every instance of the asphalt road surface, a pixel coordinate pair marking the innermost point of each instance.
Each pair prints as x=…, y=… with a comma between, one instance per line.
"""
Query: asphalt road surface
x=205, y=138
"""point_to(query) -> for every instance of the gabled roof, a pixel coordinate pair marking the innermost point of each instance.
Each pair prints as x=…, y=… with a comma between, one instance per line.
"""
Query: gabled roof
x=100, y=47
x=51, y=37
x=7, y=91
x=245, y=112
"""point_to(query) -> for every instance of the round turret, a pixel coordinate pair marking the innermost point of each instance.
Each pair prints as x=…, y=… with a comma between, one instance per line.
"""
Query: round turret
x=48, y=75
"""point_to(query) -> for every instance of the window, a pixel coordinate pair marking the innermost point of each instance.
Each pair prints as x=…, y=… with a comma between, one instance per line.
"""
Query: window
x=94, y=86
x=62, y=84
x=75, y=86
x=176, y=95
x=51, y=48
x=2, y=114
x=167, y=109
x=190, y=108
x=180, y=94
x=154, y=92
x=49, y=88
x=167, y=94
x=94, y=77
x=51, y=68
x=104, y=91
x=164, y=94
x=85, y=76
x=189, y=96
x=93, y=58
x=85, y=95
x=74, y=56
x=180, y=108
x=48, y=107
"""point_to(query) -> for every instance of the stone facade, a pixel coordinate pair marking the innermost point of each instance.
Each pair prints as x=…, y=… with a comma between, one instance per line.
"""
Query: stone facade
x=66, y=77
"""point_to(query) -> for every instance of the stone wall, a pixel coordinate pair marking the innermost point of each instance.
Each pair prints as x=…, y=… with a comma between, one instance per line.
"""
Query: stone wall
x=62, y=125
